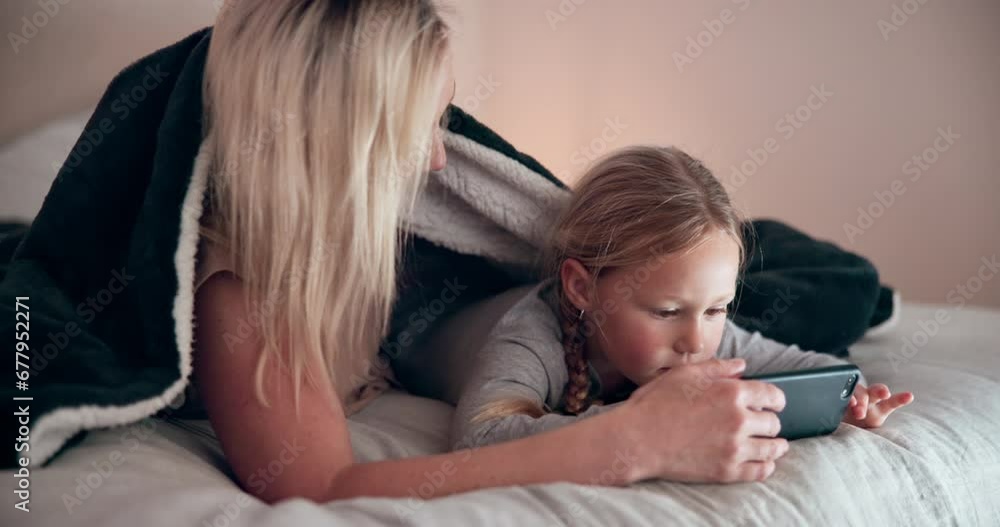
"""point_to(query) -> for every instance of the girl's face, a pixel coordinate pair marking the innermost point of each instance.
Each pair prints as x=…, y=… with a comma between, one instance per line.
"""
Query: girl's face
x=666, y=312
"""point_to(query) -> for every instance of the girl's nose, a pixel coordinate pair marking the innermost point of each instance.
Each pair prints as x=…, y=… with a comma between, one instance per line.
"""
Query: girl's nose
x=690, y=341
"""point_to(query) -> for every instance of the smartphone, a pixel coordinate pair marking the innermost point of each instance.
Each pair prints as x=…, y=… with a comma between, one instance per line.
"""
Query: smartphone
x=815, y=400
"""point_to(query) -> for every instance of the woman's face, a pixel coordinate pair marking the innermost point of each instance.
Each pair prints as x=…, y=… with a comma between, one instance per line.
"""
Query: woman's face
x=438, y=157
x=669, y=311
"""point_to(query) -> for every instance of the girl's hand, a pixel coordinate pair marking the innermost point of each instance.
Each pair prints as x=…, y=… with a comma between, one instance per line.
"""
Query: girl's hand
x=869, y=407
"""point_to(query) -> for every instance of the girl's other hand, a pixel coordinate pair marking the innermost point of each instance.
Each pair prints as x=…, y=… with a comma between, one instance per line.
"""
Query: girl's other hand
x=869, y=407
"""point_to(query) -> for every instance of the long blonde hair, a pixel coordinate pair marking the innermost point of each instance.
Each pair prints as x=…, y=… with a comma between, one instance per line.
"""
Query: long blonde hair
x=636, y=203
x=318, y=123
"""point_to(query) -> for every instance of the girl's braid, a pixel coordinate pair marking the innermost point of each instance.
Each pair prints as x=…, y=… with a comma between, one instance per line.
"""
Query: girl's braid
x=578, y=385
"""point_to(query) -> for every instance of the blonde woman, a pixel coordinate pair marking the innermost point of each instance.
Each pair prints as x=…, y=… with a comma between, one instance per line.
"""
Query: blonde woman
x=302, y=233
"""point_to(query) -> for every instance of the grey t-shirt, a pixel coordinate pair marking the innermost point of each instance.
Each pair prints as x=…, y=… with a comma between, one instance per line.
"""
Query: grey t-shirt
x=523, y=358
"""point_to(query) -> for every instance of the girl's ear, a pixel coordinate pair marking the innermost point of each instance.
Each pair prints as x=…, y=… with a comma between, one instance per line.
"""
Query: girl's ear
x=577, y=283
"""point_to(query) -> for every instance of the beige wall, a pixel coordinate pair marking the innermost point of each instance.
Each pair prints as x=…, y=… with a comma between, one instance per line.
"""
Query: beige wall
x=560, y=81
x=68, y=61
x=604, y=74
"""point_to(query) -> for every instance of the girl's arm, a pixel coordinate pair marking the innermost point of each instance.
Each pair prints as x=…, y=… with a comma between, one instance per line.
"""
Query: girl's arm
x=869, y=406
x=276, y=455
x=764, y=355
x=511, y=367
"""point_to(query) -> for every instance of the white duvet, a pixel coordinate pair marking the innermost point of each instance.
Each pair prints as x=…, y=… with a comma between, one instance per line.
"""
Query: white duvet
x=937, y=462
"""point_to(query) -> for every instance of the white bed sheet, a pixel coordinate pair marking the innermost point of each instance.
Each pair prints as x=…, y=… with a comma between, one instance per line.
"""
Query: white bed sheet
x=937, y=462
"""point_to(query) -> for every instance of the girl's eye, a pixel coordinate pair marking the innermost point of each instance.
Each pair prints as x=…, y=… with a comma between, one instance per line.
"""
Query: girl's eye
x=665, y=313
x=714, y=312
x=671, y=313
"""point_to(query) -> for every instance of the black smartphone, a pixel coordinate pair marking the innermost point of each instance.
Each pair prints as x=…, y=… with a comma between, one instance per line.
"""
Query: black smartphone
x=815, y=400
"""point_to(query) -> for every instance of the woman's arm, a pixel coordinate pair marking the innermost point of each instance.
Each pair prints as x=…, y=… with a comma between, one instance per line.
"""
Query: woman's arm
x=564, y=454
x=276, y=455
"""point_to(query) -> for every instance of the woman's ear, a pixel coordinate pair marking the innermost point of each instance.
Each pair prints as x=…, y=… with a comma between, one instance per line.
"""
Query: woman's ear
x=577, y=283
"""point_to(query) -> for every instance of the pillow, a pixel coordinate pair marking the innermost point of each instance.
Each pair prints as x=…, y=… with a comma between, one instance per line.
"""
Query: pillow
x=28, y=165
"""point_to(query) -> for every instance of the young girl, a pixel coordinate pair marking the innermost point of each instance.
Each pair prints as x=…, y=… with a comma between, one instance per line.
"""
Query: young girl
x=646, y=258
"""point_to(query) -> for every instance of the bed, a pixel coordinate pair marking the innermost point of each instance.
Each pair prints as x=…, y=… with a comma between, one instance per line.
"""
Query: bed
x=936, y=463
